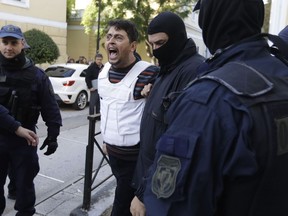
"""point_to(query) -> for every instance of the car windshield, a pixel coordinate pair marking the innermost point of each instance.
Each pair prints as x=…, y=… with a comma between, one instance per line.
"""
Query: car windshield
x=59, y=72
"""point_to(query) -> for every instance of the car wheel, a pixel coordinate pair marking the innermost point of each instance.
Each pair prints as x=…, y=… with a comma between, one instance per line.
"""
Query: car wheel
x=81, y=101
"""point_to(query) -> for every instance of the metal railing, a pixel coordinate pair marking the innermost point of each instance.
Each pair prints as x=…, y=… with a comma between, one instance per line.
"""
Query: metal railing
x=89, y=177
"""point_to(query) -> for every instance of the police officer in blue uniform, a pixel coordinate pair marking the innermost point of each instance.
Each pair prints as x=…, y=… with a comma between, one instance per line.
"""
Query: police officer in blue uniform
x=225, y=151
x=25, y=92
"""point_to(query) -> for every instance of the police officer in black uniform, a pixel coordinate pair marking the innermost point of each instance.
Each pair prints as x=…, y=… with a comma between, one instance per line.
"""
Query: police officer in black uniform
x=12, y=185
x=91, y=80
x=225, y=152
x=178, y=59
x=25, y=92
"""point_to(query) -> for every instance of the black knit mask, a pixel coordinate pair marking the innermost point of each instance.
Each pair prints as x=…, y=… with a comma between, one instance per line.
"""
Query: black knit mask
x=174, y=27
x=225, y=22
x=164, y=53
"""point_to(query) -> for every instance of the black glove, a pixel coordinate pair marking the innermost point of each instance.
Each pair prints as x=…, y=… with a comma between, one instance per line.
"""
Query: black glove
x=52, y=145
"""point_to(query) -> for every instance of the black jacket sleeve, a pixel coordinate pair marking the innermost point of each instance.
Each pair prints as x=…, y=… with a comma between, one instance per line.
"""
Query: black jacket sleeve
x=91, y=73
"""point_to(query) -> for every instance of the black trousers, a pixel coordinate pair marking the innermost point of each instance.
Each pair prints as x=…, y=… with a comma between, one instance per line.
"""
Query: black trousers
x=23, y=159
x=94, y=103
x=12, y=183
x=123, y=171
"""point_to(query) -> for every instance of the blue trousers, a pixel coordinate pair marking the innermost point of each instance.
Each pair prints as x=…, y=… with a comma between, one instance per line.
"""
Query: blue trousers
x=23, y=159
x=123, y=171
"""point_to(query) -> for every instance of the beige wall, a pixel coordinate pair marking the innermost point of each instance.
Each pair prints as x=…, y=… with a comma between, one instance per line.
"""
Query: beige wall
x=79, y=43
x=51, y=10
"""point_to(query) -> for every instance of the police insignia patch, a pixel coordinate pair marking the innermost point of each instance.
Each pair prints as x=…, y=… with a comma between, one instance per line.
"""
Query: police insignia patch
x=164, y=178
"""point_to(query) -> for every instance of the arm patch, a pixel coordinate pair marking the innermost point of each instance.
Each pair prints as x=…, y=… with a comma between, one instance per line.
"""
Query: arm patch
x=241, y=79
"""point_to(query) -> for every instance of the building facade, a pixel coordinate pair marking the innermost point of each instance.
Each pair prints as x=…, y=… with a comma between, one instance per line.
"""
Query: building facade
x=278, y=16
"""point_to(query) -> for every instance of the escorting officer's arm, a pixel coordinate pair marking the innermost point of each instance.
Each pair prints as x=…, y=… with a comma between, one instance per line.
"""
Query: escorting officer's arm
x=7, y=121
x=10, y=124
x=29, y=135
x=51, y=115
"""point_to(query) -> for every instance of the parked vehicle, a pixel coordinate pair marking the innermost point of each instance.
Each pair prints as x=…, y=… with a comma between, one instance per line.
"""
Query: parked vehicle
x=68, y=81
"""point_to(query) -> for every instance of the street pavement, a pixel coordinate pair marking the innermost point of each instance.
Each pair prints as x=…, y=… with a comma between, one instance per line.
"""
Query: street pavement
x=60, y=182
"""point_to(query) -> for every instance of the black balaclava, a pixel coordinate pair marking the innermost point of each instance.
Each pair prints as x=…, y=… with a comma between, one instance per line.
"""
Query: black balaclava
x=225, y=22
x=174, y=27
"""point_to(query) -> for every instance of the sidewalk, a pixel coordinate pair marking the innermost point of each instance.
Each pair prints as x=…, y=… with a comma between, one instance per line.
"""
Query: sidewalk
x=101, y=202
x=68, y=199
x=101, y=197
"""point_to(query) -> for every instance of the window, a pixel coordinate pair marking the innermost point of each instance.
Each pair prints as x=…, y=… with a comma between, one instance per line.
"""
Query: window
x=59, y=72
x=18, y=3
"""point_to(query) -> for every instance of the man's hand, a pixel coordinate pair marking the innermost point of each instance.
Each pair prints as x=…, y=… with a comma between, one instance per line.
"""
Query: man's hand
x=146, y=90
x=52, y=145
x=137, y=208
x=30, y=136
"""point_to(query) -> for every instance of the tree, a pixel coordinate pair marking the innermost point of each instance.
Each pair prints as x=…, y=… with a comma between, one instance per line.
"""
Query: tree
x=43, y=48
x=267, y=16
x=138, y=11
x=69, y=8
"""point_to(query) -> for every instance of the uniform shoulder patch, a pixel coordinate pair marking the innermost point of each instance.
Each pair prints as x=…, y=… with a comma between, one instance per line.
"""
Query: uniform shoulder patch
x=164, y=178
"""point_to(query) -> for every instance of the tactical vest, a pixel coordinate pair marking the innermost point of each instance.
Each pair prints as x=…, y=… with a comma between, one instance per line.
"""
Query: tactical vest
x=267, y=101
x=17, y=95
x=119, y=107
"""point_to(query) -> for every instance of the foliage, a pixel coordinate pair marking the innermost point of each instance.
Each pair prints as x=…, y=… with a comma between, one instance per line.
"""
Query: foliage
x=267, y=16
x=89, y=17
x=43, y=48
x=70, y=7
x=138, y=11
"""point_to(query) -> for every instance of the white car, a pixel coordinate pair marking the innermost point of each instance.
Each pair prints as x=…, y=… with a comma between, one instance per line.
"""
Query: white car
x=68, y=81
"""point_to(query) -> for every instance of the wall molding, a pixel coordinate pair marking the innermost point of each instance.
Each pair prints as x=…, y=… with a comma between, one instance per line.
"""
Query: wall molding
x=33, y=20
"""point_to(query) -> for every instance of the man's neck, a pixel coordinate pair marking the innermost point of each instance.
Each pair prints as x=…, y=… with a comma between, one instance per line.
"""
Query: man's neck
x=124, y=69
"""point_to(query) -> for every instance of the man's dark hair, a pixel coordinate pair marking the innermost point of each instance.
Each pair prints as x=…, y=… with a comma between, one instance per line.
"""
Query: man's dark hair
x=98, y=55
x=126, y=25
